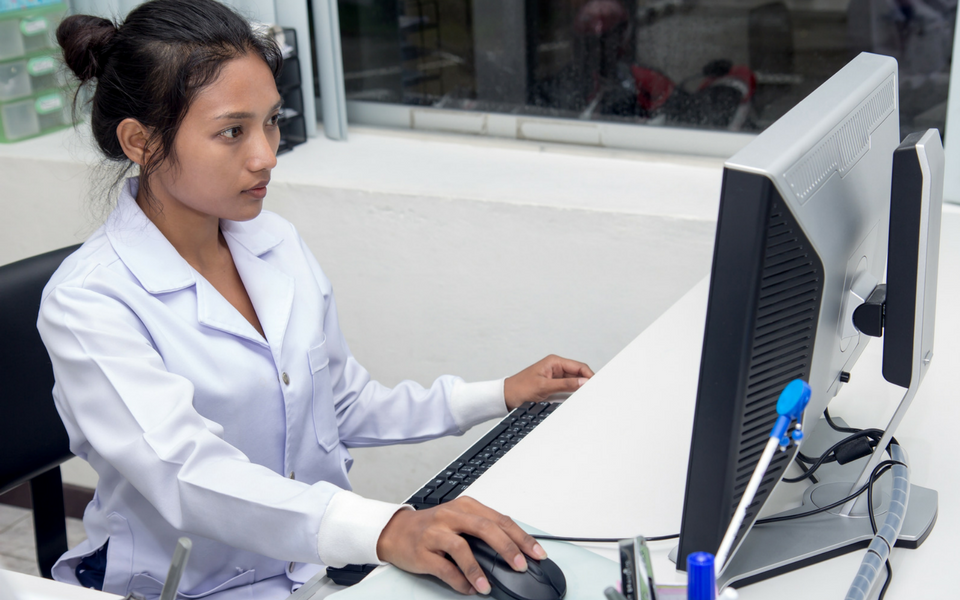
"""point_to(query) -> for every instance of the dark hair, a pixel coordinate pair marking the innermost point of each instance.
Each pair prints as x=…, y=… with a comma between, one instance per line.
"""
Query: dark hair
x=151, y=67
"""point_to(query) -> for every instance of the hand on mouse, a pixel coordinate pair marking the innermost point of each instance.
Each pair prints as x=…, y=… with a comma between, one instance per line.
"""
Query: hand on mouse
x=552, y=375
x=418, y=542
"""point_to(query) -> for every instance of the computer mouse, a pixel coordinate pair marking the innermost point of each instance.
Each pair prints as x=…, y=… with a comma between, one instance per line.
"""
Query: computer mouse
x=543, y=579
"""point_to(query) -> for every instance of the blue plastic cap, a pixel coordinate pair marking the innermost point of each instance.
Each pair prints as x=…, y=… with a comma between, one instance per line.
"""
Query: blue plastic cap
x=701, y=580
x=793, y=399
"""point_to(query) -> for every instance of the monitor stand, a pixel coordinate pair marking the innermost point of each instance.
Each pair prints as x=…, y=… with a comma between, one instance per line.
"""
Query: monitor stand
x=776, y=548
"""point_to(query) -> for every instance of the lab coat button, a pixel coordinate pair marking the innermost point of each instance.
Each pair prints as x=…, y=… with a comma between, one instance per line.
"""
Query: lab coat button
x=291, y=475
x=290, y=568
x=285, y=378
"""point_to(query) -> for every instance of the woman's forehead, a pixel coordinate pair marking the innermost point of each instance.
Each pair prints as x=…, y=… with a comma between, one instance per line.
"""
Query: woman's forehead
x=244, y=85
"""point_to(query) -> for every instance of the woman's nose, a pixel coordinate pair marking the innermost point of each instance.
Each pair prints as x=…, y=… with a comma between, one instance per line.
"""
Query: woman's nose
x=263, y=154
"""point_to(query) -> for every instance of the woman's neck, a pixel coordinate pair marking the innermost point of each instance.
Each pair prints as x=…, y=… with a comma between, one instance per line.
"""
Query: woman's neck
x=196, y=236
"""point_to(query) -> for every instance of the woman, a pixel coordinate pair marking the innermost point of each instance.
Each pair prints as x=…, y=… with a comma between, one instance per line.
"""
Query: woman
x=200, y=366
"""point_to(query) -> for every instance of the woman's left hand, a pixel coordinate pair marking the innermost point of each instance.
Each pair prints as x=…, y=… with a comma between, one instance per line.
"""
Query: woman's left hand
x=552, y=375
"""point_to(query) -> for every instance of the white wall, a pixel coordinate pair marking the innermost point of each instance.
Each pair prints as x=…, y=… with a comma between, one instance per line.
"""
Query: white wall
x=447, y=254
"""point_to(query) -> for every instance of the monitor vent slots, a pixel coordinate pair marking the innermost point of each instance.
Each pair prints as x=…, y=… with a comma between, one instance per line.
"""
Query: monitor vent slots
x=783, y=336
x=843, y=147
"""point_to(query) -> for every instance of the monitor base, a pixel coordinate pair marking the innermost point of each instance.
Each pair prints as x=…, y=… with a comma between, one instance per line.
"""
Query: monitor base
x=775, y=548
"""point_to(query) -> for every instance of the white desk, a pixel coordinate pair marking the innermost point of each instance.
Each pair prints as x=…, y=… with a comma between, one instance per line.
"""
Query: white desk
x=612, y=461
x=31, y=587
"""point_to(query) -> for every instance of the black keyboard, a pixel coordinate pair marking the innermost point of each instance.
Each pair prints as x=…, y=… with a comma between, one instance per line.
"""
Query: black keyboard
x=458, y=475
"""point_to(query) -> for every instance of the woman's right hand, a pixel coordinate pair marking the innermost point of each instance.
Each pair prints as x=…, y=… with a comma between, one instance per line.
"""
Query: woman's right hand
x=419, y=542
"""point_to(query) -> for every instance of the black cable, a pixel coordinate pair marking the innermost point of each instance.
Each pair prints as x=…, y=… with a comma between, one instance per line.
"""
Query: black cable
x=834, y=426
x=825, y=457
x=803, y=468
x=817, y=511
x=886, y=584
x=557, y=538
x=873, y=526
x=877, y=473
x=840, y=502
x=661, y=538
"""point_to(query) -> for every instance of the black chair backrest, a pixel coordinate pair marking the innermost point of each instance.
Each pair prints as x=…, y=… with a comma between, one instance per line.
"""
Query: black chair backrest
x=32, y=438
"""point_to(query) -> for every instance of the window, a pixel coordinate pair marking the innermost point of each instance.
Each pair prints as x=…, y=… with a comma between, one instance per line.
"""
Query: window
x=719, y=65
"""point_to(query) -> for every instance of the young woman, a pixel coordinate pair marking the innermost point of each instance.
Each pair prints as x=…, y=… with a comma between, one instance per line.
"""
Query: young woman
x=200, y=367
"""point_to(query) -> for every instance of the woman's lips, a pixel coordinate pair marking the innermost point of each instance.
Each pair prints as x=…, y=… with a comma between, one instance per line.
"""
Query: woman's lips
x=257, y=192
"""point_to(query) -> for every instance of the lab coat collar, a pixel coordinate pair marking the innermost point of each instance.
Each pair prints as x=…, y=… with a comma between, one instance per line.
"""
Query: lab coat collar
x=160, y=269
x=254, y=238
x=142, y=247
x=270, y=290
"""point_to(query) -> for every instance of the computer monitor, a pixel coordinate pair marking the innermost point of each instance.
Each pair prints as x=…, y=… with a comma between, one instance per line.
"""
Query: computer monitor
x=801, y=240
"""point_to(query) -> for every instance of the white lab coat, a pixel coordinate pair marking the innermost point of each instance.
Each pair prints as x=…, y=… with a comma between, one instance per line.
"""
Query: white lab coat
x=199, y=426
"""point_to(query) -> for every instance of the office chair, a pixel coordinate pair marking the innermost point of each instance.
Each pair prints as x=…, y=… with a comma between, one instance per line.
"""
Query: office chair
x=33, y=441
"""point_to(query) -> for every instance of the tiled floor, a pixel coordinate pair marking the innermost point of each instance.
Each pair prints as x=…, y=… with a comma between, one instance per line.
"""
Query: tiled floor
x=17, y=547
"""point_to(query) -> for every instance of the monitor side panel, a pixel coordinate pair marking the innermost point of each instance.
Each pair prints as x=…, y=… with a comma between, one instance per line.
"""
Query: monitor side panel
x=915, y=209
x=830, y=160
x=764, y=303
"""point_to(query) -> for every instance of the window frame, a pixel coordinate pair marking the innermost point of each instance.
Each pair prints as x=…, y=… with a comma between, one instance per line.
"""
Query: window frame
x=648, y=138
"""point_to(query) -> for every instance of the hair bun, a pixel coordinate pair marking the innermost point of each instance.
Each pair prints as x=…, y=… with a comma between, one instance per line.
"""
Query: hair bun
x=84, y=39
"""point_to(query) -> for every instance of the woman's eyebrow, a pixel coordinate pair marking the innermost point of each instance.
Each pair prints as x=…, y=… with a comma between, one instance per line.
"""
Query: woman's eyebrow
x=247, y=115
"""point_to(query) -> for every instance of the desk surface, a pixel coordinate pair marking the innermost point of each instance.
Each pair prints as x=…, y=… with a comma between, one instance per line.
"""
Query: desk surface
x=615, y=454
x=31, y=587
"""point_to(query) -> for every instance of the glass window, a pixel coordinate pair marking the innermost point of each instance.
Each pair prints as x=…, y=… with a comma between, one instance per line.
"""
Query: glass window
x=734, y=65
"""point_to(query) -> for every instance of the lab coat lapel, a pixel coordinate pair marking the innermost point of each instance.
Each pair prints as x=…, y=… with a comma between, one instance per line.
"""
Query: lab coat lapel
x=143, y=248
x=214, y=311
x=270, y=290
x=160, y=269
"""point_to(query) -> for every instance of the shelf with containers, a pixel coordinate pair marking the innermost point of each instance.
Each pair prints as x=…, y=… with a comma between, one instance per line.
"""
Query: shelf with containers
x=33, y=94
x=293, y=127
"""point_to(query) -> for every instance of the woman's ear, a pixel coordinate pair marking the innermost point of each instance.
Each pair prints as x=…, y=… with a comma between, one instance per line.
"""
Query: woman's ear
x=133, y=138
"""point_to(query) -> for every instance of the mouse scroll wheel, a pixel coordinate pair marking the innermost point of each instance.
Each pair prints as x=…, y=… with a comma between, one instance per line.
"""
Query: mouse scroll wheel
x=533, y=567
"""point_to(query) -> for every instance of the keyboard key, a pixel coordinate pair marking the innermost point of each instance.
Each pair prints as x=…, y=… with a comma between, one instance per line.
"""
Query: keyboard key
x=422, y=494
x=537, y=408
x=455, y=492
x=440, y=492
x=467, y=470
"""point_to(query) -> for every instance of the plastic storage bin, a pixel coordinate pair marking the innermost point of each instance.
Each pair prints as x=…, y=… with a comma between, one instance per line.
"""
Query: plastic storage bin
x=25, y=76
x=32, y=101
x=293, y=128
x=33, y=116
x=26, y=30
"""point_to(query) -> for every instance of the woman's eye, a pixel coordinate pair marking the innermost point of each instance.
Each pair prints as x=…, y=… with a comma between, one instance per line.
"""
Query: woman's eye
x=230, y=133
x=275, y=119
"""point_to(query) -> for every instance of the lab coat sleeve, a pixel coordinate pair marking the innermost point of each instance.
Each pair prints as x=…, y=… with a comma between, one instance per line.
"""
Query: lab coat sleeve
x=371, y=414
x=118, y=401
